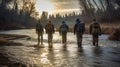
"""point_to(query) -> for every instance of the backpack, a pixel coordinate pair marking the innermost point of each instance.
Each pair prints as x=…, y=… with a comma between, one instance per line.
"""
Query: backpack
x=39, y=27
x=64, y=29
x=95, y=28
x=49, y=28
x=80, y=28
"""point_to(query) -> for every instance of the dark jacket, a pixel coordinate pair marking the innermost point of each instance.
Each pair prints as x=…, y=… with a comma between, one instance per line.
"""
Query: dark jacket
x=63, y=25
x=77, y=25
x=49, y=28
x=39, y=28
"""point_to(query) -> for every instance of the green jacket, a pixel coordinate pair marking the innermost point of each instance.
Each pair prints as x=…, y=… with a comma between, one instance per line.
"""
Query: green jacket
x=95, y=28
x=39, y=28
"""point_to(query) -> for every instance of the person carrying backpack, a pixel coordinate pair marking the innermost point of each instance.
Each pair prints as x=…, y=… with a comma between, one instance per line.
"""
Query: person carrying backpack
x=63, y=31
x=39, y=31
x=50, y=31
x=95, y=30
x=79, y=29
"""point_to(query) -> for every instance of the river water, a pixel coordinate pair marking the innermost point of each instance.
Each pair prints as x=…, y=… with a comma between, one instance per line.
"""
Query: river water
x=106, y=55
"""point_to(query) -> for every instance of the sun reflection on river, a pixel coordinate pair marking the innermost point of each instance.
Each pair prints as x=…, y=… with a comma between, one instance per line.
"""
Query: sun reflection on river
x=44, y=58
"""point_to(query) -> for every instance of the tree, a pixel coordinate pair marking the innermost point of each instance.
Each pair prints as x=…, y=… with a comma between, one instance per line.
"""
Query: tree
x=18, y=12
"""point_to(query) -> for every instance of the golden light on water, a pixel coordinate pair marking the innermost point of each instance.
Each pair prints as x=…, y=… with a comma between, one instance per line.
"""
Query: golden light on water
x=44, y=58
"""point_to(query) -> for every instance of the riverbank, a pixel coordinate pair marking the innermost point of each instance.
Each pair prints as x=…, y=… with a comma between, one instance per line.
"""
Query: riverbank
x=5, y=62
x=5, y=40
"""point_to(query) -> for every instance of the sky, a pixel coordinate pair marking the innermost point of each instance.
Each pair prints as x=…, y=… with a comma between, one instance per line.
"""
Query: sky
x=57, y=6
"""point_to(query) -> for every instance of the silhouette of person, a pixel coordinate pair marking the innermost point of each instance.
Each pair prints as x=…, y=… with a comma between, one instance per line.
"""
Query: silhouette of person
x=79, y=29
x=95, y=30
x=39, y=31
x=63, y=31
x=49, y=27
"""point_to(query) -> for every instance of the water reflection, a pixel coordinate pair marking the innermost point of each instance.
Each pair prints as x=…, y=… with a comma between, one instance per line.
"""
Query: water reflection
x=97, y=51
x=46, y=57
x=71, y=56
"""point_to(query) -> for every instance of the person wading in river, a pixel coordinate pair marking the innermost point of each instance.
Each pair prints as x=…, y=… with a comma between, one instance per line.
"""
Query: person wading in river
x=63, y=31
x=50, y=31
x=39, y=31
x=95, y=30
x=79, y=29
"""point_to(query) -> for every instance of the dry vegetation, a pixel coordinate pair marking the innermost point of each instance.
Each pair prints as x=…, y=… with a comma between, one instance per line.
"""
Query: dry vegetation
x=115, y=35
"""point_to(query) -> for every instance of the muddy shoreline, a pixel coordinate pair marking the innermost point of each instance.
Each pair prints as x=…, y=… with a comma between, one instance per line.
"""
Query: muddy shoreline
x=5, y=62
x=5, y=40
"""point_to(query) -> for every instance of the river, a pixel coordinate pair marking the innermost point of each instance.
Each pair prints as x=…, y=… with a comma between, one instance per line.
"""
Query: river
x=106, y=55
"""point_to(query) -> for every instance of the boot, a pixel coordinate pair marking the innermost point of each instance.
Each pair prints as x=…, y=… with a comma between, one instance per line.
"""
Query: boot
x=96, y=44
x=79, y=45
x=93, y=43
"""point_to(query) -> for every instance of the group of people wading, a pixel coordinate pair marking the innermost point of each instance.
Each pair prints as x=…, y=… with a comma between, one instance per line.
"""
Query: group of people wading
x=79, y=29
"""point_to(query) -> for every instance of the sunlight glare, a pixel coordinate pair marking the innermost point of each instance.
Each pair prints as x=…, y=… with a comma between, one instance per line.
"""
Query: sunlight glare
x=44, y=5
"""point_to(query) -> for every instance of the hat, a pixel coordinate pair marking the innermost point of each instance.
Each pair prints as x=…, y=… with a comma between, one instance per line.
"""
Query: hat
x=63, y=21
x=78, y=20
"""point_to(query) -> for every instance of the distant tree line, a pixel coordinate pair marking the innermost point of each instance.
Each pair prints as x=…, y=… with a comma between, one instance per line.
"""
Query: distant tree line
x=17, y=14
x=69, y=18
x=103, y=10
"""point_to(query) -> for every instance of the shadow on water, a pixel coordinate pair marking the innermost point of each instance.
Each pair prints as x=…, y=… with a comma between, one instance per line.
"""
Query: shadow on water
x=97, y=51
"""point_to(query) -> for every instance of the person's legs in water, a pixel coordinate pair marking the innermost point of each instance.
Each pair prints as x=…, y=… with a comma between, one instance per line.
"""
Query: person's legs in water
x=77, y=38
x=80, y=39
x=94, y=39
x=41, y=41
x=49, y=40
x=63, y=37
x=38, y=39
x=50, y=37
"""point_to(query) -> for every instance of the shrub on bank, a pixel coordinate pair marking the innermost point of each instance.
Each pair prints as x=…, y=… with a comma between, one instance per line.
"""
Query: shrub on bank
x=115, y=35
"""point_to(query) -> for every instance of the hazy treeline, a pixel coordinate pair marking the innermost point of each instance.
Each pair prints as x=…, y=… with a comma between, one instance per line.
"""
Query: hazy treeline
x=69, y=18
x=17, y=14
x=103, y=10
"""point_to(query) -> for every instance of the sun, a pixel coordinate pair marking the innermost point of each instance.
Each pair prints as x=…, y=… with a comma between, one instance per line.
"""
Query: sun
x=44, y=5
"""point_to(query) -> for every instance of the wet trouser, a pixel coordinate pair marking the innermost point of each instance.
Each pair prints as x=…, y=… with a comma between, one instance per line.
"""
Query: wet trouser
x=79, y=38
x=64, y=37
x=40, y=39
x=95, y=39
x=50, y=37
